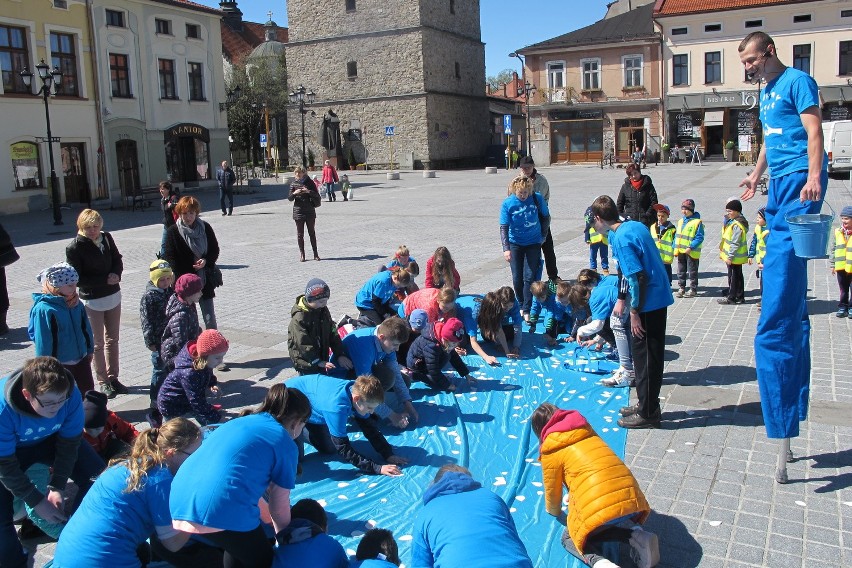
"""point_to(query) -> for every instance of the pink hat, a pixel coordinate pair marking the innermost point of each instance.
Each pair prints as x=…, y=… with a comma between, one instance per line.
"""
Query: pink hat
x=210, y=342
x=450, y=330
x=187, y=285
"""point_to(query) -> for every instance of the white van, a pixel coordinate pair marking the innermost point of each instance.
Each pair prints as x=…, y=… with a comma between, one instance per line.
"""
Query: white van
x=838, y=145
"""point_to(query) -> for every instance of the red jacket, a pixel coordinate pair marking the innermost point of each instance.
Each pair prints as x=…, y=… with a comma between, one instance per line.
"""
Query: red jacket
x=115, y=428
x=329, y=174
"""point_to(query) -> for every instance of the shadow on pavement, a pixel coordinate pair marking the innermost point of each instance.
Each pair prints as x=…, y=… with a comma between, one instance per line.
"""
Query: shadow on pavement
x=677, y=546
x=715, y=375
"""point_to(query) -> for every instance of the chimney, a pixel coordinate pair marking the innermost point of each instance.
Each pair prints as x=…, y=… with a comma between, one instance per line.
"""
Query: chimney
x=270, y=33
x=233, y=16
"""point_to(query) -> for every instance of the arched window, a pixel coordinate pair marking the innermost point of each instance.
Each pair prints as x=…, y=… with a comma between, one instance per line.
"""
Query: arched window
x=26, y=165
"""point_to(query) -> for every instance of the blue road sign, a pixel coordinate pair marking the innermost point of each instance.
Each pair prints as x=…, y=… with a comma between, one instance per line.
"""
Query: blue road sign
x=263, y=140
x=507, y=124
x=389, y=130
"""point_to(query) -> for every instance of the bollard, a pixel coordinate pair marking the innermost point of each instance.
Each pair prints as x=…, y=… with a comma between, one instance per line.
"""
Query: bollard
x=428, y=173
x=491, y=170
x=393, y=175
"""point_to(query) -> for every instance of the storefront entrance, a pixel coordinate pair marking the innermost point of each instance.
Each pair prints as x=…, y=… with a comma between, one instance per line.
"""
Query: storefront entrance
x=128, y=167
x=630, y=136
x=187, y=148
x=576, y=141
x=74, y=173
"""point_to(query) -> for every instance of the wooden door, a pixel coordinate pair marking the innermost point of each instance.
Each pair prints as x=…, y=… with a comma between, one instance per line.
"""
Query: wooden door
x=74, y=173
x=128, y=167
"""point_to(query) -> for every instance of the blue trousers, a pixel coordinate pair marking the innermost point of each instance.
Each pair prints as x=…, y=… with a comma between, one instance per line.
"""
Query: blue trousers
x=782, y=346
x=526, y=265
x=596, y=249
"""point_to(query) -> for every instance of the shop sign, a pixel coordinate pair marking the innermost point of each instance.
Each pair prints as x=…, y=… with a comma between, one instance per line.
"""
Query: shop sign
x=187, y=129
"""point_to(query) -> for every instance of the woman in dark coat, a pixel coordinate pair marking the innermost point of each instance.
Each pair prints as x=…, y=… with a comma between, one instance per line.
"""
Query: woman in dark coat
x=192, y=248
x=306, y=198
x=169, y=198
x=8, y=255
x=637, y=197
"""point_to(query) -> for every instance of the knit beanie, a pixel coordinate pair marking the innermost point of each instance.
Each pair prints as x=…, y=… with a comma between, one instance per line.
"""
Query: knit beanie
x=688, y=204
x=210, y=342
x=418, y=319
x=846, y=211
x=762, y=213
x=158, y=269
x=59, y=275
x=734, y=205
x=99, y=400
x=316, y=289
x=187, y=285
x=450, y=330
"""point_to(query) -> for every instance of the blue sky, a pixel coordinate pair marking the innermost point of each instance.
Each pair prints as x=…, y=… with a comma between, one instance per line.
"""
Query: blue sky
x=506, y=24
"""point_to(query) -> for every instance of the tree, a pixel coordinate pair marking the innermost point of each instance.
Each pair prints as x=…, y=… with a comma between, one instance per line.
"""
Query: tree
x=497, y=81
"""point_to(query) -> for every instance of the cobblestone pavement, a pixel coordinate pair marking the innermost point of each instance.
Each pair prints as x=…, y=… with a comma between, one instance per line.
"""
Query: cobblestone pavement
x=708, y=473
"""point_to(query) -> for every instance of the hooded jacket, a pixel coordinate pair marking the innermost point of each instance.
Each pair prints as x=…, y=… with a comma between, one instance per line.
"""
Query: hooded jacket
x=182, y=327
x=638, y=204
x=95, y=265
x=463, y=524
x=428, y=357
x=152, y=314
x=185, y=390
x=600, y=487
x=59, y=331
x=310, y=336
x=302, y=543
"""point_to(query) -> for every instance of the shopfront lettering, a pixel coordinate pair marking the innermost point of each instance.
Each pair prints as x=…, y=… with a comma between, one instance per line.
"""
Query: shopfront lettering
x=748, y=98
x=187, y=130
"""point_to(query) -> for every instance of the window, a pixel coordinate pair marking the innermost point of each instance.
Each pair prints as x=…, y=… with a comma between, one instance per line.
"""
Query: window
x=632, y=70
x=591, y=74
x=680, y=70
x=845, y=58
x=196, y=82
x=846, y=13
x=713, y=67
x=712, y=28
x=458, y=70
x=350, y=5
x=193, y=31
x=167, y=79
x=119, y=75
x=679, y=31
x=556, y=75
x=754, y=23
x=13, y=58
x=452, y=6
x=115, y=18
x=802, y=57
x=163, y=27
x=352, y=70
x=801, y=18
x=63, y=55
x=25, y=165
x=60, y=4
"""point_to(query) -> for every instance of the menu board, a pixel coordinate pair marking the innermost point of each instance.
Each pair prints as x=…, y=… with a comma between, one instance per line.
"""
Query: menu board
x=684, y=125
x=838, y=112
x=745, y=123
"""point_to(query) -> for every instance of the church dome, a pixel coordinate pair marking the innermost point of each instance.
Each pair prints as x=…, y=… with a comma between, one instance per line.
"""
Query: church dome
x=271, y=47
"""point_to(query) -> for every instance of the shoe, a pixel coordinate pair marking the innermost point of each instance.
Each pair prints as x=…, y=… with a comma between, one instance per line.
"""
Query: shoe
x=850, y=314
x=230, y=213
x=739, y=301
x=842, y=312
x=620, y=379
x=680, y=293
x=223, y=213
x=316, y=257
x=604, y=563
x=154, y=418
x=690, y=293
x=635, y=422
x=29, y=531
x=644, y=548
x=302, y=257
x=119, y=388
x=108, y=390
x=725, y=301
x=606, y=271
x=629, y=410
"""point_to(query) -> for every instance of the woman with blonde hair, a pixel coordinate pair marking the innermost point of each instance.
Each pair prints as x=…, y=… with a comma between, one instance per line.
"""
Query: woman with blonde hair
x=306, y=198
x=96, y=259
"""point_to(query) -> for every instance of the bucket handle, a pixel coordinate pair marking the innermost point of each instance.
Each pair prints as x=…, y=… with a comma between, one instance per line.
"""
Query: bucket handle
x=789, y=204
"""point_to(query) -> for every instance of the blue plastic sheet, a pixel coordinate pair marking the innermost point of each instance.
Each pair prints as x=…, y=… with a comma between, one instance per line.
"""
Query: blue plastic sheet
x=484, y=428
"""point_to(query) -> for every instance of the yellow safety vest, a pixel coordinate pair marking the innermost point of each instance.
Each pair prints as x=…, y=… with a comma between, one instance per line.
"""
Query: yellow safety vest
x=684, y=236
x=842, y=251
x=595, y=237
x=665, y=243
x=740, y=251
x=761, y=233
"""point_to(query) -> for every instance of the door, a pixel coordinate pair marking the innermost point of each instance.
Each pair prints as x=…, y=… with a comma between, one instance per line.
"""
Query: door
x=187, y=157
x=74, y=173
x=558, y=142
x=630, y=136
x=128, y=167
x=713, y=145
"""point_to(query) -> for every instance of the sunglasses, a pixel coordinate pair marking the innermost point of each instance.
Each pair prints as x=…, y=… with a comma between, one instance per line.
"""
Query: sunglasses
x=54, y=404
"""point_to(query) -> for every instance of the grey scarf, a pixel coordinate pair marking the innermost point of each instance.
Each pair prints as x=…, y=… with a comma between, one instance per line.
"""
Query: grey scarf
x=196, y=238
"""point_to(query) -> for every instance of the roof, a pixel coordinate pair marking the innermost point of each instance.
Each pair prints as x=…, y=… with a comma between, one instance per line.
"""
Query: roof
x=632, y=25
x=237, y=45
x=664, y=8
x=191, y=6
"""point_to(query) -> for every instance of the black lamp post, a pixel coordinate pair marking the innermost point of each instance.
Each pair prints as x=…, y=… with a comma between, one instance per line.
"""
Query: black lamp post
x=303, y=96
x=527, y=90
x=231, y=98
x=50, y=79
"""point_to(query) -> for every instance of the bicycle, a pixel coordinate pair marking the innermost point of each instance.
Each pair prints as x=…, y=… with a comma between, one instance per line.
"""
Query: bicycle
x=608, y=159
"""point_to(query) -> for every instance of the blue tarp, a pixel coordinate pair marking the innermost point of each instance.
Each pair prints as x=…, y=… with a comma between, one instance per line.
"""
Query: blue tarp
x=484, y=428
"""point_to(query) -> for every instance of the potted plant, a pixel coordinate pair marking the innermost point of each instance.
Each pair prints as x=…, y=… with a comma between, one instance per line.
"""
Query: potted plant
x=311, y=159
x=730, y=146
x=665, y=148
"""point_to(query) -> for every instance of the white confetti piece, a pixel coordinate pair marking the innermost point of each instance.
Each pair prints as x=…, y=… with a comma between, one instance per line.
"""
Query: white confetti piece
x=473, y=398
x=384, y=500
x=689, y=443
x=512, y=510
x=801, y=503
x=442, y=428
x=536, y=483
x=512, y=437
x=322, y=502
x=670, y=451
x=350, y=552
x=357, y=533
x=371, y=524
x=342, y=484
x=430, y=431
x=714, y=523
x=520, y=498
x=360, y=494
x=539, y=492
x=565, y=399
x=372, y=485
x=342, y=497
x=604, y=429
x=529, y=460
x=572, y=392
x=455, y=452
x=405, y=538
x=499, y=480
x=364, y=480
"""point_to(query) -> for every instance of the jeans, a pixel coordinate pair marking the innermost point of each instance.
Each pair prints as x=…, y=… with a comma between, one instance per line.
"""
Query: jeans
x=648, y=354
x=686, y=265
x=4, y=292
x=319, y=437
x=525, y=264
x=300, y=234
x=105, y=328
x=229, y=193
x=87, y=467
x=596, y=249
x=163, y=242
x=736, y=283
x=329, y=189
x=623, y=338
x=159, y=372
x=597, y=543
x=208, y=313
x=844, y=282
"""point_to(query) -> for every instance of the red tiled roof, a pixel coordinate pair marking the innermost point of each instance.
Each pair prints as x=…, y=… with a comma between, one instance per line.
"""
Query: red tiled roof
x=191, y=6
x=678, y=7
x=238, y=44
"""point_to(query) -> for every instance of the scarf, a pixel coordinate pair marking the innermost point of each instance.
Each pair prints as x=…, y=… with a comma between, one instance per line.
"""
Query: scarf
x=70, y=301
x=195, y=237
x=636, y=183
x=99, y=242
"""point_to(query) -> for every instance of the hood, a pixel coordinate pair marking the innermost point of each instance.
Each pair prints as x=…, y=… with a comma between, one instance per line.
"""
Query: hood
x=153, y=288
x=451, y=483
x=695, y=215
x=300, y=306
x=563, y=421
x=742, y=220
x=50, y=299
x=175, y=306
x=184, y=359
x=298, y=530
x=15, y=398
x=666, y=226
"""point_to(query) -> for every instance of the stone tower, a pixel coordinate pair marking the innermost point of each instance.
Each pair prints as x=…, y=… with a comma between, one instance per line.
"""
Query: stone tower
x=417, y=65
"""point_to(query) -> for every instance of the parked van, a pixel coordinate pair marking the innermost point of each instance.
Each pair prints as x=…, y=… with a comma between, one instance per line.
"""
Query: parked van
x=838, y=145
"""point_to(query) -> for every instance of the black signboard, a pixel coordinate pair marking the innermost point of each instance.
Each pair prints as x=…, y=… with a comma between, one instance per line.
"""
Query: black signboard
x=684, y=125
x=576, y=114
x=837, y=112
x=746, y=121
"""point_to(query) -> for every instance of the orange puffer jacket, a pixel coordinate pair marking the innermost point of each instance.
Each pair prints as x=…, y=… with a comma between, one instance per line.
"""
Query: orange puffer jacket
x=600, y=487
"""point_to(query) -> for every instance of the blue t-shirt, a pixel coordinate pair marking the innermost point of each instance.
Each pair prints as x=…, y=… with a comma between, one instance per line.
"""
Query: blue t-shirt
x=379, y=285
x=522, y=218
x=513, y=316
x=320, y=551
x=218, y=486
x=21, y=430
x=603, y=298
x=365, y=350
x=331, y=401
x=637, y=252
x=110, y=524
x=782, y=100
x=467, y=310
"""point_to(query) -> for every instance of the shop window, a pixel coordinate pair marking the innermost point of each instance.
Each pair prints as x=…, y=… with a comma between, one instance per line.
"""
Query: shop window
x=163, y=27
x=754, y=23
x=846, y=13
x=168, y=90
x=63, y=54
x=591, y=74
x=680, y=70
x=196, y=81
x=632, y=70
x=115, y=18
x=14, y=56
x=119, y=74
x=802, y=57
x=26, y=165
x=713, y=67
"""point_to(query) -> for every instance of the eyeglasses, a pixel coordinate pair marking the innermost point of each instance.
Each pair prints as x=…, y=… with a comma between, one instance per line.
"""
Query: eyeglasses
x=54, y=404
x=161, y=266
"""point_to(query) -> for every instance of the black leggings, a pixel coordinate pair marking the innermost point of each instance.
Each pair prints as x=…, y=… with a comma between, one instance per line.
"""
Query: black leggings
x=300, y=234
x=243, y=549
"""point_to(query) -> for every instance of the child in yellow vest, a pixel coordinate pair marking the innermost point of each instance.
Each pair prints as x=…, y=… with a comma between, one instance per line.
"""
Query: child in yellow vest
x=757, y=247
x=598, y=245
x=843, y=260
x=689, y=237
x=664, y=235
x=733, y=251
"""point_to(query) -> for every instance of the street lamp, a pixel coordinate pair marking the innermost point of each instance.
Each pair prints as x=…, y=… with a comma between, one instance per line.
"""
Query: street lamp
x=50, y=79
x=303, y=96
x=527, y=90
x=230, y=98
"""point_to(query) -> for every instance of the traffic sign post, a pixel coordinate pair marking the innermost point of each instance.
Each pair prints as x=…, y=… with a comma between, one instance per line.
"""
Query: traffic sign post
x=389, y=134
x=507, y=130
x=263, y=140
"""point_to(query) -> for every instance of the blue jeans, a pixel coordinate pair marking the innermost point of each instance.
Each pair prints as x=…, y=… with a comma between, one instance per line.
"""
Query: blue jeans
x=525, y=264
x=158, y=375
x=596, y=249
x=163, y=243
x=226, y=192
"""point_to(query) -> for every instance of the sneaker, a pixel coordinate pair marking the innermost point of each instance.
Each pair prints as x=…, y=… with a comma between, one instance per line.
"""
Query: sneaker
x=725, y=301
x=620, y=379
x=842, y=312
x=29, y=531
x=690, y=293
x=680, y=293
x=629, y=410
x=606, y=271
x=850, y=314
x=604, y=563
x=644, y=548
x=635, y=422
x=108, y=390
x=739, y=301
x=119, y=388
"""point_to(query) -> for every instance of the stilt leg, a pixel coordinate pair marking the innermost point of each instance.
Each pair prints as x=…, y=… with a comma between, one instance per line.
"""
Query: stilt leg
x=784, y=455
